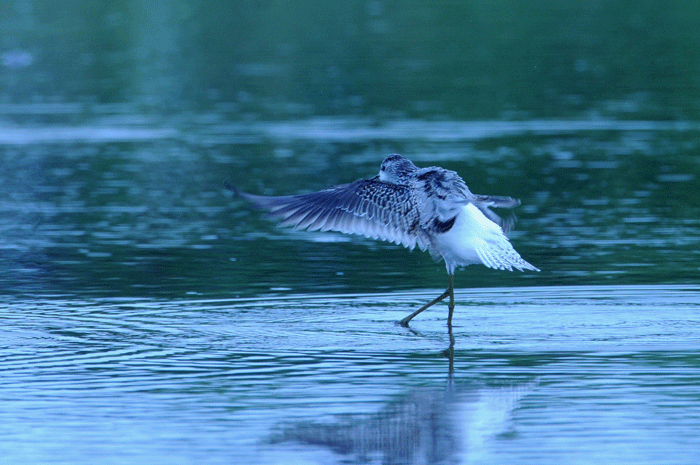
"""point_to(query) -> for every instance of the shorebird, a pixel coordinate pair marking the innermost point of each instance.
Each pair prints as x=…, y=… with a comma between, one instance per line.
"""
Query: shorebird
x=428, y=207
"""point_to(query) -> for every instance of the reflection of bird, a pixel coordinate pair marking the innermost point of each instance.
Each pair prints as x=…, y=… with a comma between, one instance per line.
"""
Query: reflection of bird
x=429, y=207
x=428, y=425
x=422, y=426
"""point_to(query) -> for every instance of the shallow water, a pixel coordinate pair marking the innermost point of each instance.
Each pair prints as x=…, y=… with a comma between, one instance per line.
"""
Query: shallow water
x=540, y=374
x=150, y=317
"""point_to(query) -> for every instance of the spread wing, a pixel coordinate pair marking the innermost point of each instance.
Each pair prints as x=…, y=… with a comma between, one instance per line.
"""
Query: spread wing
x=368, y=207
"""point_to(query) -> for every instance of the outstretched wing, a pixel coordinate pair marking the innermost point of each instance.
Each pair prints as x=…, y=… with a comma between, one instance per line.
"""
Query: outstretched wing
x=368, y=207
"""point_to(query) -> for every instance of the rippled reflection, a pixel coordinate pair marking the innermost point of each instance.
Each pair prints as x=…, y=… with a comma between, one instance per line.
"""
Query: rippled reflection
x=447, y=425
x=535, y=372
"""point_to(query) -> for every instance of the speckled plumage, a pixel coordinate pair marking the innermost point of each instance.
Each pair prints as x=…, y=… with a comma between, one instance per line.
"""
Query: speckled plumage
x=430, y=207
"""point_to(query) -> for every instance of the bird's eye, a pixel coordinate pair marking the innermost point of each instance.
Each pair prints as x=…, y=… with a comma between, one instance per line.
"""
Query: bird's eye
x=383, y=168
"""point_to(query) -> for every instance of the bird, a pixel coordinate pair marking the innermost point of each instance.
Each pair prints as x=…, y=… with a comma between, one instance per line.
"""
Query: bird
x=431, y=208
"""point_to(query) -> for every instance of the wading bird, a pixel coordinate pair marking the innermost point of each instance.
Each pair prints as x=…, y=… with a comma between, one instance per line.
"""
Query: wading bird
x=429, y=207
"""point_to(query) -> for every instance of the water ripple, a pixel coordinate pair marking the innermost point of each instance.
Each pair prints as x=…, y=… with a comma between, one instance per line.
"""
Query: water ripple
x=258, y=375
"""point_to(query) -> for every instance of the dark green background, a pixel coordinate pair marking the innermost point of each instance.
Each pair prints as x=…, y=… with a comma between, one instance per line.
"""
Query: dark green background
x=448, y=59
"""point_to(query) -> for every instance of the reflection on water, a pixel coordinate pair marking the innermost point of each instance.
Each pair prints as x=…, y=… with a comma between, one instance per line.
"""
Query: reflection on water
x=539, y=375
x=447, y=425
x=419, y=428
x=148, y=317
x=424, y=426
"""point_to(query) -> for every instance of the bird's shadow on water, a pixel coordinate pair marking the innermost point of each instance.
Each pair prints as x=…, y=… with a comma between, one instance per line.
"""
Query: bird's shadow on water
x=424, y=425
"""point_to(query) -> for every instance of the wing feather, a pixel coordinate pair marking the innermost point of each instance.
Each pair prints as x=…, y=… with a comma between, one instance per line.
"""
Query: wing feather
x=368, y=207
x=483, y=202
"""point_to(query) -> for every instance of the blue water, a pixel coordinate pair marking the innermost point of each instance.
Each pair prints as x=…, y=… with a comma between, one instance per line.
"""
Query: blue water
x=539, y=374
x=149, y=317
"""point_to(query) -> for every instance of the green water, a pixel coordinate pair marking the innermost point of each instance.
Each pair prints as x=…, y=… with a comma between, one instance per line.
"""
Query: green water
x=150, y=317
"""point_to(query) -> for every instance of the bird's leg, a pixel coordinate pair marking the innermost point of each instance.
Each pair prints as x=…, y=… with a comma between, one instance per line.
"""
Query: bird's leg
x=451, y=305
x=449, y=292
x=442, y=296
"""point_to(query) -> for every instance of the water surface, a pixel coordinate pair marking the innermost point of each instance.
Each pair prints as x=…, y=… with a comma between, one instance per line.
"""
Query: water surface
x=544, y=374
x=150, y=317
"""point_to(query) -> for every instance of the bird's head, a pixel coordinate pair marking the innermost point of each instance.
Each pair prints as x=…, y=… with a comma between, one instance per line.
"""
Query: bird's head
x=396, y=169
